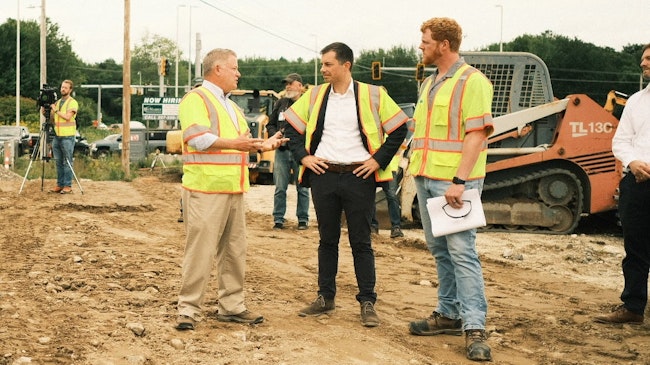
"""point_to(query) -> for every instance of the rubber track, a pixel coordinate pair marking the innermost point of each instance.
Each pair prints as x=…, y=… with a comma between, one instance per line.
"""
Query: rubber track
x=537, y=176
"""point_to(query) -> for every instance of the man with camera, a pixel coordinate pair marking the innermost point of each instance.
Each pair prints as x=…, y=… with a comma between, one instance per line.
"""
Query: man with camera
x=64, y=112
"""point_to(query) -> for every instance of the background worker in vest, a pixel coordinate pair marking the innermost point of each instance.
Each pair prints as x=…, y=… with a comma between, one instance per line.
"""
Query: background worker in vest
x=343, y=150
x=448, y=155
x=63, y=114
x=215, y=178
x=631, y=146
x=394, y=210
x=285, y=167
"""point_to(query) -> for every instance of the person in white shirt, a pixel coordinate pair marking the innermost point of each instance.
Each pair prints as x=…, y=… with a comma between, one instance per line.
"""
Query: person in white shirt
x=631, y=145
x=336, y=130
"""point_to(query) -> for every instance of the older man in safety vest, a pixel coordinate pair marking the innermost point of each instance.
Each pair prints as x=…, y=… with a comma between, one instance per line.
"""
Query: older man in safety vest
x=216, y=146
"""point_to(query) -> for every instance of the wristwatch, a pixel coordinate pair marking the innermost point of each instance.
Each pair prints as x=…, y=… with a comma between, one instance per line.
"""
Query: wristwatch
x=458, y=181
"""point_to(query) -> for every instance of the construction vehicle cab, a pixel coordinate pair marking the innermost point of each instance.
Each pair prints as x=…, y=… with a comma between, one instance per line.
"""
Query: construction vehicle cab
x=257, y=106
x=549, y=161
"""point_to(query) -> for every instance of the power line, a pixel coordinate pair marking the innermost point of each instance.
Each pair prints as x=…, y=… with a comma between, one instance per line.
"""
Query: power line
x=257, y=26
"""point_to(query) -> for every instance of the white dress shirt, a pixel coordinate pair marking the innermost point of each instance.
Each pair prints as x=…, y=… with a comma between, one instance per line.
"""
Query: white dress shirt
x=341, y=141
x=632, y=138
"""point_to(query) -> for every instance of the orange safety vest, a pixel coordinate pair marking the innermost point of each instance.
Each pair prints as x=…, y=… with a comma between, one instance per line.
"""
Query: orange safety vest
x=462, y=103
x=378, y=117
x=62, y=127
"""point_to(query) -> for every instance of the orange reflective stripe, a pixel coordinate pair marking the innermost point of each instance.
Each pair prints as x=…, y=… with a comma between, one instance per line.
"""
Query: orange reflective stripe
x=373, y=92
x=194, y=131
x=447, y=146
x=455, y=110
x=314, y=96
x=300, y=126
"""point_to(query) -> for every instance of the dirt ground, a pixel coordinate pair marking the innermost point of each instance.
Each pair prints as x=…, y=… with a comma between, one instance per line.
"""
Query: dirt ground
x=93, y=278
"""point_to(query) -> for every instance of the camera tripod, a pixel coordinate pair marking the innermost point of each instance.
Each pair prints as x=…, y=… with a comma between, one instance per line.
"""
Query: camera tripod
x=41, y=148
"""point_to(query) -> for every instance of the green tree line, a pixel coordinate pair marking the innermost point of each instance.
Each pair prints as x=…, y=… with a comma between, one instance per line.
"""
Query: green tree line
x=575, y=67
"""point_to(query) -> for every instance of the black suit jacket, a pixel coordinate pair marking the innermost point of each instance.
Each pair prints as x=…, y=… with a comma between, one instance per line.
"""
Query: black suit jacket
x=383, y=156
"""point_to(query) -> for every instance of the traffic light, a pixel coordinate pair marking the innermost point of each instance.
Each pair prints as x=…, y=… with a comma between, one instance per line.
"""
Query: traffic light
x=419, y=71
x=376, y=70
x=166, y=67
x=161, y=66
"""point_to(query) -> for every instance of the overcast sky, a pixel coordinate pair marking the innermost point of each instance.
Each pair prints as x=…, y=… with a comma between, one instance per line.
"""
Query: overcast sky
x=298, y=28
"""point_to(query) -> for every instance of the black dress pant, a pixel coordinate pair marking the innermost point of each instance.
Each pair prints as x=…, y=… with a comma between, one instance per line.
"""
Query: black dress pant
x=332, y=194
x=634, y=211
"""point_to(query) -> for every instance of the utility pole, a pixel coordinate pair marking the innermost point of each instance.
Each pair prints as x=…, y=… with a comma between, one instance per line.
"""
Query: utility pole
x=126, y=92
x=177, y=53
x=18, y=66
x=43, y=57
x=501, y=36
x=197, y=59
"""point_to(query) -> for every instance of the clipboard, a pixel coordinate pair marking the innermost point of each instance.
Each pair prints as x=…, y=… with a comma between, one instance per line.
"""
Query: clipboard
x=447, y=220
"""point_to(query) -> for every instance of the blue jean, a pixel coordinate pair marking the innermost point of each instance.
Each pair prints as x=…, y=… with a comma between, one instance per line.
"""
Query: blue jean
x=63, y=148
x=394, y=211
x=461, y=290
x=285, y=170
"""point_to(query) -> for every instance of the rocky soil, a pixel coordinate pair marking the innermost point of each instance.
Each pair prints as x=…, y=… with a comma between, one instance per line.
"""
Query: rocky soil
x=93, y=278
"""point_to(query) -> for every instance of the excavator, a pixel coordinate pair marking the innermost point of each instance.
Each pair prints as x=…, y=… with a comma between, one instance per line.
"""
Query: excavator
x=549, y=160
x=615, y=98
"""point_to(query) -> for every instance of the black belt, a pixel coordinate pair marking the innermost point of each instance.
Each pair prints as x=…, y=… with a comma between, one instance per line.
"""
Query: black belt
x=342, y=168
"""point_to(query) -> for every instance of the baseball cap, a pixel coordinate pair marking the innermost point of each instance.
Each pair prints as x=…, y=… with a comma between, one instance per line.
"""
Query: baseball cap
x=292, y=77
x=198, y=81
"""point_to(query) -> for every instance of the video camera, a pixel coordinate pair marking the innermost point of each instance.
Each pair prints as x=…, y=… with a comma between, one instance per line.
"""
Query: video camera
x=47, y=97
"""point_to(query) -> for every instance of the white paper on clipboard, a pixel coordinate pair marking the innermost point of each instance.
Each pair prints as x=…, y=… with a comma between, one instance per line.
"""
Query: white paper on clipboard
x=446, y=220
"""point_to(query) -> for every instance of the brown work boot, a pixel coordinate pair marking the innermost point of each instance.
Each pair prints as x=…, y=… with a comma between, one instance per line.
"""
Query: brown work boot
x=66, y=190
x=620, y=314
x=318, y=307
x=369, y=317
x=396, y=232
x=243, y=317
x=476, y=345
x=56, y=189
x=436, y=324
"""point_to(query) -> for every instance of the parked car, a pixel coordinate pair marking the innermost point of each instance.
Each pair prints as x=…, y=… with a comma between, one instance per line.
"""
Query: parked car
x=155, y=140
x=81, y=145
x=134, y=124
x=18, y=134
x=106, y=146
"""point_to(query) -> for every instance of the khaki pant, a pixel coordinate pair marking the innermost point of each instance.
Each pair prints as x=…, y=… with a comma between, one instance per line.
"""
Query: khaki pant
x=215, y=225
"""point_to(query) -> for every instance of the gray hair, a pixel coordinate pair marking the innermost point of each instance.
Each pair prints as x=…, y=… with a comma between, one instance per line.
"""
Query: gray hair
x=215, y=57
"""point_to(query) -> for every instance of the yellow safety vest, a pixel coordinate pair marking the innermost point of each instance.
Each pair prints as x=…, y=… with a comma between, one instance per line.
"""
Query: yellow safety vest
x=378, y=116
x=462, y=103
x=62, y=127
x=212, y=171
